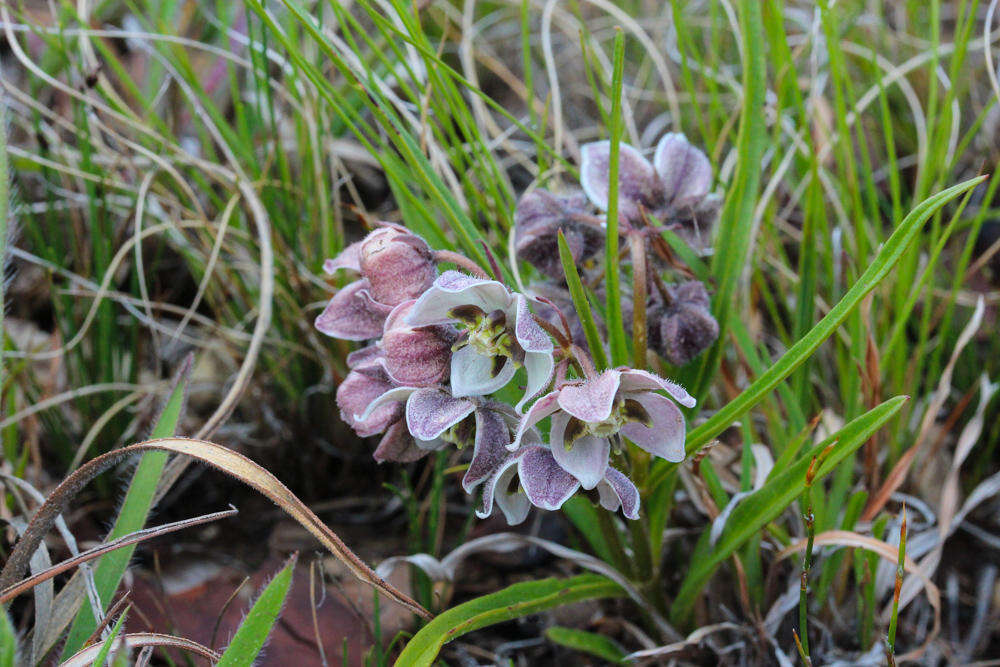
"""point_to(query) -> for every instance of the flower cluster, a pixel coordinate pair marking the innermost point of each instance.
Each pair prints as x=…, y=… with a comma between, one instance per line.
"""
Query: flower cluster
x=672, y=192
x=447, y=352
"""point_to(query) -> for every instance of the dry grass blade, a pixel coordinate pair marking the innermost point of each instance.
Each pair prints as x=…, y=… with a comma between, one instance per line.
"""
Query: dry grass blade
x=216, y=456
x=692, y=640
x=86, y=657
x=8, y=594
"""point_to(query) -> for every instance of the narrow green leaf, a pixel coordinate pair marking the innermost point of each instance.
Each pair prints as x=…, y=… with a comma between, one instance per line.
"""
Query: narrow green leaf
x=612, y=280
x=102, y=656
x=256, y=627
x=583, y=515
x=581, y=304
x=591, y=643
x=132, y=516
x=512, y=602
x=887, y=257
x=8, y=641
x=765, y=504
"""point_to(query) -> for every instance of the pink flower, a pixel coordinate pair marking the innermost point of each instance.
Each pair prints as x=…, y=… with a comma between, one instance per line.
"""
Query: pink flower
x=540, y=216
x=416, y=356
x=395, y=266
x=674, y=188
x=588, y=415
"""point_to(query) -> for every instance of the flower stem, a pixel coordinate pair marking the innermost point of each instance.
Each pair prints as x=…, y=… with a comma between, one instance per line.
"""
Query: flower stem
x=810, y=522
x=462, y=261
x=619, y=558
x=637, y=248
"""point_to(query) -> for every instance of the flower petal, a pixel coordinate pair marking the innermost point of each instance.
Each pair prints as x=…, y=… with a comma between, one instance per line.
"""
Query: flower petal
x=394, y=395
x=544, y=481
x=431, y=411
x=399, y=265
x=586, y=459
x=539, y=366
x=349, y=258
x=515, y=506
x=398, y=445
x=492, y=438
x=352, y=314
x=616, y=490
x=472, y=373
x=591, y=400
x=417, y=357
x=636, y=380
x=354, y=396
x=541, y=409
x=367, y=357
x=452, y=289
x=684, y=170
x=665, y=438
x=637, y=181
x=529, y=334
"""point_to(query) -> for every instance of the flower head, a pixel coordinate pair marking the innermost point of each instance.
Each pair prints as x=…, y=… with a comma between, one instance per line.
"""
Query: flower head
x=588, y=418
x=496, y=334
x=674, y=188
x=395, y=266
x=683, y=328
x=539, y=217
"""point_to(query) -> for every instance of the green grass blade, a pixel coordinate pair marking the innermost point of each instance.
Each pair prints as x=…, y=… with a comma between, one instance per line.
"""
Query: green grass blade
x=616, y=327
x=8, y=641
x=515, y=601
x=590, y=643
x=581, y=304
x=132, y=516
x=767, y=503
x=102, y=656
x=256, y=627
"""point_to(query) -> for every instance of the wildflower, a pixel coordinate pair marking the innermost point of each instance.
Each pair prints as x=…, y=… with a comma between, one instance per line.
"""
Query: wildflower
x=395, y=266
x=540, y=216
x=497, y=334
x=682, y=327
x=544, y=483
x=674, y=188
x=588, y=415
x=415, y=356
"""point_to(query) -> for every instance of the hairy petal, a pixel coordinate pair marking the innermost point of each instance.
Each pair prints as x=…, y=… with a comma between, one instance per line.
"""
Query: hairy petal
x=472, y=373
x=616, y=490
x=431, y=411
x=417, y=357
x=529, y=334
x=636, y=380
x=352, y=314
x=591, y=400
x=393, y=395
x=354, y=396
x=349, y=258
x=541, y=409
x=514, y=505
x=539, y=366
x=586, y=459
x=684, y=170
x=547, y=485
x=452, y=289
x=492, y=438
x=399, y=265
x=665, y=438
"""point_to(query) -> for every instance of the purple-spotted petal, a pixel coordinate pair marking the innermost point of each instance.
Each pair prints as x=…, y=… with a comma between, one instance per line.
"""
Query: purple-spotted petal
x=616, y=490
x=684, y=170
x=492, y=438
x=430, y=412
x=472, y=373
x=349, y=258
x=393, y=395
x=544, y=481
x=591, y=400
x=638, y=184
x=514, y=505
x=356, y=393
x=366, y=358
x=665, y=438
x=539, y=366
x=352, y=314
x=586, y=459
x=530, y=336
x=398, y=445
x=636, y=380
x=541, y=409
x=452, y=289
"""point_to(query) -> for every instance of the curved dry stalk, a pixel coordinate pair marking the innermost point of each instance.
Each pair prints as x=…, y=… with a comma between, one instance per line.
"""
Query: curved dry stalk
x=217, y=456
x=86, y=657
x=11, y=592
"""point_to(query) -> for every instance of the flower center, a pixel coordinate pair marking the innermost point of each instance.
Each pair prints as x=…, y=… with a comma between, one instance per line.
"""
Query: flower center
x=487, y=333
x=625, y=410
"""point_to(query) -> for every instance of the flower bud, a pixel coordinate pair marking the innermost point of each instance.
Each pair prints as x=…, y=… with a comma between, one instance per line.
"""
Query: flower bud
x=538, y=218
x=416, y=356
x=684, y=328
x=398, y=265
